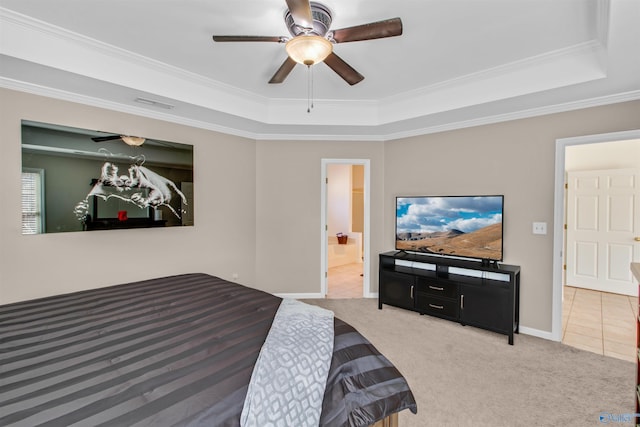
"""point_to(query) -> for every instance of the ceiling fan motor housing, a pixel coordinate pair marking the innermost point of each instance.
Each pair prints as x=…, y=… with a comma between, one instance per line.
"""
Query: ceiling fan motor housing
x=321, y=21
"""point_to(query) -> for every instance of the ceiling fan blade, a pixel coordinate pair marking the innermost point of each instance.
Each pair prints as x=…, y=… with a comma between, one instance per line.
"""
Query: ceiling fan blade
x=344, y=70
x=283, y=71
x=105, y=138
x=374, y=30
x=301, y=12
x=277, y=39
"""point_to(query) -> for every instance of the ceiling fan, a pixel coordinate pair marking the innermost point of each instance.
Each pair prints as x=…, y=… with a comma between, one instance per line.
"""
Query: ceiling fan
x=129, y=140
x=312, y=40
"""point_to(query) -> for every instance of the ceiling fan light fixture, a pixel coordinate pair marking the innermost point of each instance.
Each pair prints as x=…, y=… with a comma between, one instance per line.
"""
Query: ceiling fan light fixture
x=135, y=141
x=308, y=49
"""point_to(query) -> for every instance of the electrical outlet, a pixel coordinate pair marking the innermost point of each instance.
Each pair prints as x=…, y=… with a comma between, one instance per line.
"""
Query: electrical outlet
x=234, y=276
x=539, y=228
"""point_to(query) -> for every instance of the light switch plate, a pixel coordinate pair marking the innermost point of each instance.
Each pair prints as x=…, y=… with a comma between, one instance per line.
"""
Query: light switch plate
x=539, y=228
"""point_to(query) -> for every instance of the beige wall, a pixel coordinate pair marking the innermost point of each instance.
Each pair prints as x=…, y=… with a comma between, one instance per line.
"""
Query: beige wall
x=257, y=204
x=288, y=210
x=514, y=158
x=222, y=242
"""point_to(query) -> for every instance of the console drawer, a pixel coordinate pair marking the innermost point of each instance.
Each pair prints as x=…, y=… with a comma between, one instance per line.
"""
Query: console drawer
x=435, y=306
x=438, y=289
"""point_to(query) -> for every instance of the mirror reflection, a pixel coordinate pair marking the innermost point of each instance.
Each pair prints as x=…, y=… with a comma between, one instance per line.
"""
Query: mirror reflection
x=82, y=180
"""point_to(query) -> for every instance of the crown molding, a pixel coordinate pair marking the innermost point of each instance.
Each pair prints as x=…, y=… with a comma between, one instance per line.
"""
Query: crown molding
x=81, y=43
x=563, y=67
x=329, y=133
x=25, y=38
x=518, y=115
x=119, y=107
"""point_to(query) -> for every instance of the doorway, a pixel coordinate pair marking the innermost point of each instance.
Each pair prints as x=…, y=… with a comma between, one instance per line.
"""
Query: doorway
x=560, y=214
x=345, y=257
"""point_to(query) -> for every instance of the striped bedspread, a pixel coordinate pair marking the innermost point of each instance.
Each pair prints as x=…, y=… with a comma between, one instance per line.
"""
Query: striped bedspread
x=172, y=351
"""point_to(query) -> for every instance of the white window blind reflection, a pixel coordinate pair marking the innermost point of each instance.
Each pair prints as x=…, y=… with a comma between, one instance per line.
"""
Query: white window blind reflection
x=32, y=197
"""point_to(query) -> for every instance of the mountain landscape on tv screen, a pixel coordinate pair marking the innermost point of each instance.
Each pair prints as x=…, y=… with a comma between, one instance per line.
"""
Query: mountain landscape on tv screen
x=485, y=243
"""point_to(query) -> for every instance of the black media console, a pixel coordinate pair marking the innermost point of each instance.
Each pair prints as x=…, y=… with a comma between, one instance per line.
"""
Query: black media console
x=469, y=292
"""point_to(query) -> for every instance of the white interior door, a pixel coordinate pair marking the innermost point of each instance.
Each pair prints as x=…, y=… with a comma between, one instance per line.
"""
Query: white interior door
x=603, y=222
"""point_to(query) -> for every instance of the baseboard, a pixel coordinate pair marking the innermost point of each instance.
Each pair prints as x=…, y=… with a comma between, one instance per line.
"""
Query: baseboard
x=523, y=329
x=300, y=296
x=536, y=333
x=316, y=296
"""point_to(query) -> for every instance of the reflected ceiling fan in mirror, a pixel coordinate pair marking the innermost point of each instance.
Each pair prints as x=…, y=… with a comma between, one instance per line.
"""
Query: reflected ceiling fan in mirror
x=127, y=139
x=312, y=40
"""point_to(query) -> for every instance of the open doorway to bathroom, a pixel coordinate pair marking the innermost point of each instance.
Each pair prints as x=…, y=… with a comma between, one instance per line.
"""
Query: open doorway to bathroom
x=345, y=228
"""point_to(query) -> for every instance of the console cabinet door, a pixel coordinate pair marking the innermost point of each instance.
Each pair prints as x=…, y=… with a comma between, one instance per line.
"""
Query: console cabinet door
x=486, y=307
x=397, y=289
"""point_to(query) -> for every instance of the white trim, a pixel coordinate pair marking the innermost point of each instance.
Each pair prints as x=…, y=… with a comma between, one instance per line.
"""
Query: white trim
x=366, y=279
x=572, y=65
x=324, y=261
x=334, y=133
x=122, y=108
x=370, y=295
x=522, y=330
x=299, y=296
x=559, y=215
x=517, y=115
x=536, y=333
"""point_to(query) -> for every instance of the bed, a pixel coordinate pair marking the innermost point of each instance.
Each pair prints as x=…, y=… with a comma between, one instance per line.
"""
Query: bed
x=170, y=351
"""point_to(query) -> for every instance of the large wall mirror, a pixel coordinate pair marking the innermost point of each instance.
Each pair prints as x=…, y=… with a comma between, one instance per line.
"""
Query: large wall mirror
x=82, y=180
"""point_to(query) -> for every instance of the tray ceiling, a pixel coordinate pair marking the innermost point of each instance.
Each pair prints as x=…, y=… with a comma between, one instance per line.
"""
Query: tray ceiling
x=458, y=63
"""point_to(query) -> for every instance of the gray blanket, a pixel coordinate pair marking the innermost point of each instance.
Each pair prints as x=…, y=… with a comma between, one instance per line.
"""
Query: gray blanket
x=172, y=351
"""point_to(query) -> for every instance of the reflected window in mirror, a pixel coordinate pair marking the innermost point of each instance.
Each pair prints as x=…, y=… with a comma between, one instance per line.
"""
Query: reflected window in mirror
x=32, y=201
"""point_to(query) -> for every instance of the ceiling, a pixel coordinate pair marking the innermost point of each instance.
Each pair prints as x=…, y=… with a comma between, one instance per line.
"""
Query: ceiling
x=458, y=63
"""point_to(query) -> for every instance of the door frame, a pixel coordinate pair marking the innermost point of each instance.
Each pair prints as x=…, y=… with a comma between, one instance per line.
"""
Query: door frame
x=559, y=215
x=324, y=238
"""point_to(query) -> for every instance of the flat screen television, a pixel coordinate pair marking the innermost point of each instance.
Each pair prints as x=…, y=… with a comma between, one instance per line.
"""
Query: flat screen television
x=455, y=226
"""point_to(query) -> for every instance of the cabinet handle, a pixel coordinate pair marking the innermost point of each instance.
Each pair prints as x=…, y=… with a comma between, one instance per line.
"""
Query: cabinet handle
x=411, y=291
x=436, y=288
x=461, y=301
x=439, y=307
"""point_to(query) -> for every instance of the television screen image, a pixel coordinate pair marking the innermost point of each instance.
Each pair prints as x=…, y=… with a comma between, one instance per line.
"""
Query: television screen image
x=459, y=226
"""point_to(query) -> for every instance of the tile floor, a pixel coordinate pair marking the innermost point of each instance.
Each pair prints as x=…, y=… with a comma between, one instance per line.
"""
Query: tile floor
x=345, y=281
x=600, y=322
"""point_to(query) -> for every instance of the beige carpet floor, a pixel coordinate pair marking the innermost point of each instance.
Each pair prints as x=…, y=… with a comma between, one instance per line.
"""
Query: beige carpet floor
x=465, y=376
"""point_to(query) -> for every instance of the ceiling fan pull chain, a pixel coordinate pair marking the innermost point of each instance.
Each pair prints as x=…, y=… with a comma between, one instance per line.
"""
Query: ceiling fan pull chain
x=309, y=93
x=311, y=71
